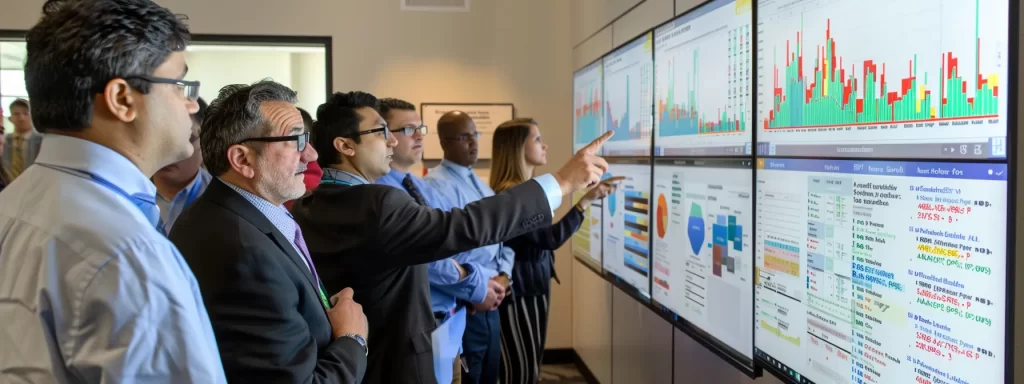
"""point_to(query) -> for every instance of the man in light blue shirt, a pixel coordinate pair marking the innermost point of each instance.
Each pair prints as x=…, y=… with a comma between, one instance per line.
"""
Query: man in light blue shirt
x=181, y=183
x=454, y=282
x=90, y=289
x=456, y=179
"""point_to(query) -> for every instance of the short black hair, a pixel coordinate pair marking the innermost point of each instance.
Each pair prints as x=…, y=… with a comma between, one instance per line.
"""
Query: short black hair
x=338, y=118
x=78, y=46
x=201, y=114
x=235, y=116
x=307, y=119
x=387, y=104
x=19, y=102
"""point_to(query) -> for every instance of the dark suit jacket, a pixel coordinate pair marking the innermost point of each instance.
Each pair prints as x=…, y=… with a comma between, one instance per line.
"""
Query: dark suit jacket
x=371, y=238
x=535, y=255
x=267, y=315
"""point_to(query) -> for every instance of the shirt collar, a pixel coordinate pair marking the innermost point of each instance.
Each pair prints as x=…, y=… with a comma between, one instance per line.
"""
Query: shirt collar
x=277, y=214
x=462, y=170
x=344, y=177
x=25, y=135
x=201, y=180
x=86, y=156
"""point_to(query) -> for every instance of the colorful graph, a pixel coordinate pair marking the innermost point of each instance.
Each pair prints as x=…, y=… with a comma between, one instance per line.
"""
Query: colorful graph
x=695, y=228
x=588, y=115
x=624, y=131
x=686, y=119
x=662, y=216
x=636, y=229
x=835, y=96
x=723, y=231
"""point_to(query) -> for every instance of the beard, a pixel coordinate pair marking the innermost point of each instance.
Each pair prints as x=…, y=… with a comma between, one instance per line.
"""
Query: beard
x=280, y=184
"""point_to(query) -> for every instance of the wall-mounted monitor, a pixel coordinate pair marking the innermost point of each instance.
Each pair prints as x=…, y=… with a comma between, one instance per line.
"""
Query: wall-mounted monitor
x=703, y=252
x=629, y=97
x=587, y=105
x=703, y=83
x=881, y=272
x=626, y=225
x=883, y=79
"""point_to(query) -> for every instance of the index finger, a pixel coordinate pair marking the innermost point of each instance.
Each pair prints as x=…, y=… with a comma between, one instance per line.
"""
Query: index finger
x=597, y=143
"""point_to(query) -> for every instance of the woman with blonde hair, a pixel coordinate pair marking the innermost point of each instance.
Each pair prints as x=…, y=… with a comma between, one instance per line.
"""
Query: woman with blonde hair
x=517, y=151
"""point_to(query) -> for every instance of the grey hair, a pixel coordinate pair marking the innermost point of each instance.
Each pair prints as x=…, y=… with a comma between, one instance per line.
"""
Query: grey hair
x=235, y=116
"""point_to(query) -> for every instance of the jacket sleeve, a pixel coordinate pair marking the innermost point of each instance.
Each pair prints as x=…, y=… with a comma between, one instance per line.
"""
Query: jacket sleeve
x=551, y=238
x=412, y=234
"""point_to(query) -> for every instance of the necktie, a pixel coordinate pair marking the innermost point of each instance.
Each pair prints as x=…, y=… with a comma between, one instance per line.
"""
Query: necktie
x=476, y=184
x=300, y=242
x=413, y=191
x=17, y=158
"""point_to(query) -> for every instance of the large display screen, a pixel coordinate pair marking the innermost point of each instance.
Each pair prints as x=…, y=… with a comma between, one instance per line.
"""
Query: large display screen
x=628, y=97
x=702, y=82
x=627, y=224
x=882, y=78
x=703, y=247
x=588, y=114
x=881, y=272
x=586, y=242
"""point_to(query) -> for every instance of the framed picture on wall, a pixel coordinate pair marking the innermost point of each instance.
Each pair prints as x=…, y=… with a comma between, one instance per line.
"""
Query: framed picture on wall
x=487, y=117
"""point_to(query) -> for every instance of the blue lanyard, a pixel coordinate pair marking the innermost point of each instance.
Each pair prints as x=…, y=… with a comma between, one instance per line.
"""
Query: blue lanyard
x=136, y=199
x=334, y=176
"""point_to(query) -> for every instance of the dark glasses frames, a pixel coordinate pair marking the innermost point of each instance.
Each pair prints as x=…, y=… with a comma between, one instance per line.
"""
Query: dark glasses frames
x=300, y=140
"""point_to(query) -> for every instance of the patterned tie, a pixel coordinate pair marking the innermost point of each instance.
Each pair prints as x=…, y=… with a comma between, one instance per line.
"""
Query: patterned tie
x=413, y=191
x=300, y=242
x=17, y=157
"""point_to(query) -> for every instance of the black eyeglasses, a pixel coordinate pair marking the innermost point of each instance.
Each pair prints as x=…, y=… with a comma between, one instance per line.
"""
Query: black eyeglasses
x=300, y=140
x=410, y=130
x=189, y=89
x=387, y=134
x=464, y=137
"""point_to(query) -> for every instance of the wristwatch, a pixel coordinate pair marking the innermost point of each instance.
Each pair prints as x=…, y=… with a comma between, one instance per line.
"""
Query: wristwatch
x=358, y=339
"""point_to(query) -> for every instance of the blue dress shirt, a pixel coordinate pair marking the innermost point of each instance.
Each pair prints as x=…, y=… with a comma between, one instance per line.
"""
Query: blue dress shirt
x=90, y=291
x=445, y=283
x=170, y=210
x=462, y=186
x=277, y=214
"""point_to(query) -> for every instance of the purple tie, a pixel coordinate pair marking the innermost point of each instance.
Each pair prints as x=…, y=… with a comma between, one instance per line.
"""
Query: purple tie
x=300, y=242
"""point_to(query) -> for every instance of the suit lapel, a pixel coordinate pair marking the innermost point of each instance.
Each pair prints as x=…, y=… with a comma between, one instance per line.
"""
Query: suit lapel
x=227, y=197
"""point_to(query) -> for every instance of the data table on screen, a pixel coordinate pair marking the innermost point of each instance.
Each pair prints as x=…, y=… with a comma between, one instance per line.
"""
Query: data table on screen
x=626, y=225
x=702, y=78
x=703, y=247
x=588, y=113
x=628, y=97
x=586, y=242
x=881, y=271
x=884, y=79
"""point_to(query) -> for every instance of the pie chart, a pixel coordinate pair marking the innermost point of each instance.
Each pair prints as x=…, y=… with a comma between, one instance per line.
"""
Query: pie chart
x=662, y=216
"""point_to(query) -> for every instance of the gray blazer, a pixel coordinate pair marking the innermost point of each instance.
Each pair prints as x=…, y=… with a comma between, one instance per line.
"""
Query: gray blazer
x=35, y=139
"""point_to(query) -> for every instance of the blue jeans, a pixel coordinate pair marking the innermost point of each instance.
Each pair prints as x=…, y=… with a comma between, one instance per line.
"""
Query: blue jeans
x=481, y=347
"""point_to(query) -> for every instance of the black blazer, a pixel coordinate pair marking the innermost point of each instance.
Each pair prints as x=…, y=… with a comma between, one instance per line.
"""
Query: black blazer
x=535, y=256
x=267, y=316
x=371, y=238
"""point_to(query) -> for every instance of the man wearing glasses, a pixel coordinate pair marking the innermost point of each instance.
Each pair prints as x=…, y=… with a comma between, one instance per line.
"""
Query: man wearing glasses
x=376, y=238
x=457, y=282
x=273, y=319
x=181, y=183
x=93, y=290
x=456, y=179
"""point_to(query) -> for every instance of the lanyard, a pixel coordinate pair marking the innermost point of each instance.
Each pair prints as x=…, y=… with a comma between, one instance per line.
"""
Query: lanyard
x=334, y=176
x=136, y=199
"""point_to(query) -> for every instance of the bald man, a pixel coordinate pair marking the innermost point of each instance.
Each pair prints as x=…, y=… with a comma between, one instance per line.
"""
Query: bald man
x=455, y=178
